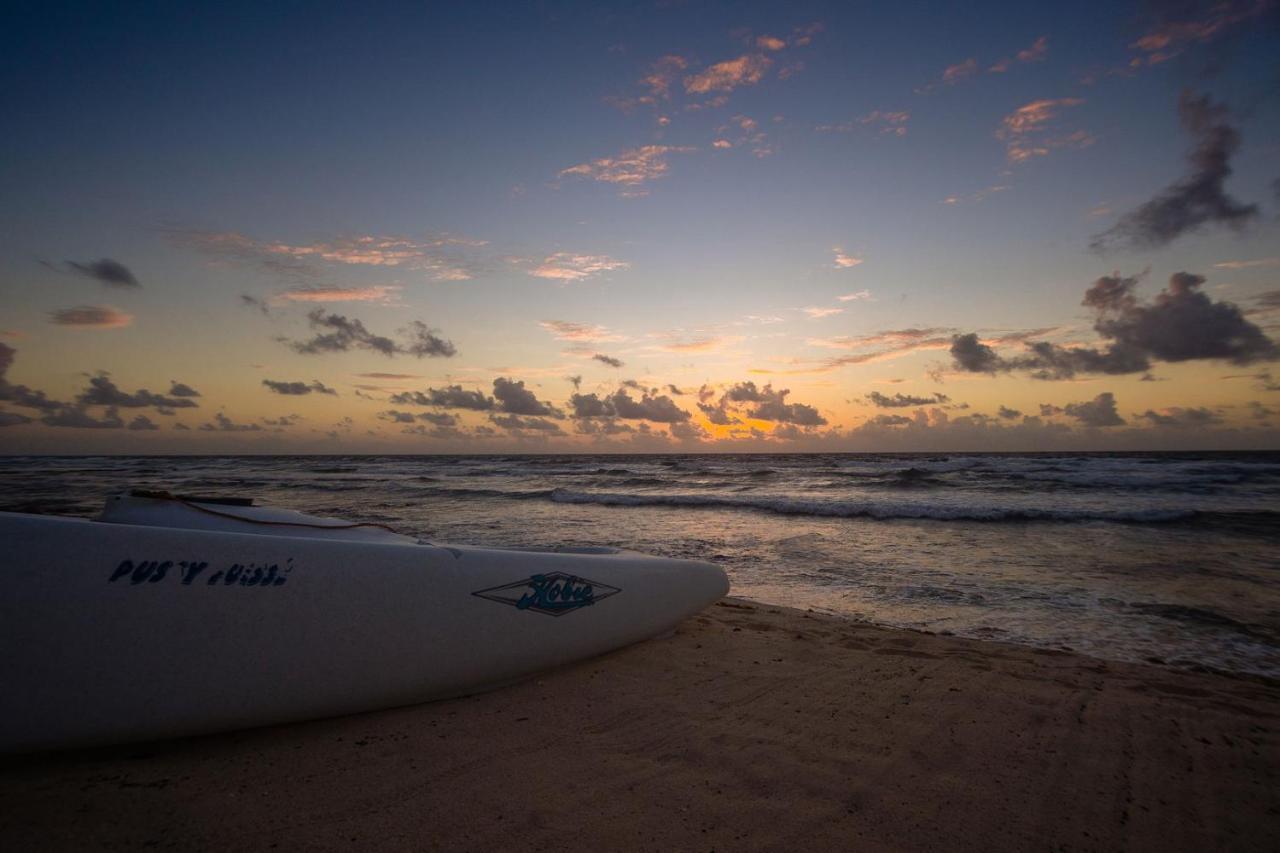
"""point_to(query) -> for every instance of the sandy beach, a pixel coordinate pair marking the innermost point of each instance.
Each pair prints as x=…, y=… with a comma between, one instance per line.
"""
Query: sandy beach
x=751, y=728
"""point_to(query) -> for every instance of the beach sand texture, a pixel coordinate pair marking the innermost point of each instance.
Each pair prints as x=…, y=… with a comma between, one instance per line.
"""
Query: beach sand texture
x=751, y=728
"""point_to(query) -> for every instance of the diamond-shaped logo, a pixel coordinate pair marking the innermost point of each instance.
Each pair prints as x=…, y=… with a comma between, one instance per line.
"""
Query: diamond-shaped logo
x=554, y=593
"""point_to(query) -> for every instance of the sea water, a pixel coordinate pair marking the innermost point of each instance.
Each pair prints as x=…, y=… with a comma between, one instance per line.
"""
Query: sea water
x=1173, y=558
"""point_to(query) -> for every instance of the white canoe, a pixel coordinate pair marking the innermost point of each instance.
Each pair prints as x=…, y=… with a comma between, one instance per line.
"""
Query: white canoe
x=166, y=618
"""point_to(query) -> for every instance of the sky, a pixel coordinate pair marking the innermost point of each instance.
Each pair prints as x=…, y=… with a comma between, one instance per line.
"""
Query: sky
x=639, y=227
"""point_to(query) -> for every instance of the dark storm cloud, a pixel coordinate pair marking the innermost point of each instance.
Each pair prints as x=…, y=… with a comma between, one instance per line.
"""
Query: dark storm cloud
x=575, y=381
x=181, y=389
x=675, y=392
x=108, y=272
x=515, y=399
x=21, y=395
x=77, y=418
x=902, y=401
x=660, y=409
x=298, y=388
x=718, y=414
x=1009, y=414
x=1180, y=324
x=449, y=397
x=607, y=359
x=422, y=341
x=336, y=333
x=590, y=406
x=518, y=424
x=1178, y=417
x=396, y=416
x=103, y=392
x=12, y=419
x=769, y=405
x=1197, y=200
x=142, y=422
x=620, y=405
x=1098, y=412
x=440, y=419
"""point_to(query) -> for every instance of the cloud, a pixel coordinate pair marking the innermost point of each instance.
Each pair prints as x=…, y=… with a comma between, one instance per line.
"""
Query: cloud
x=607, y=359
x=707, y=343
x=181, y=389
x=1171, y=35
x=222, y=423
x=770, y=43
x=518, y=424
x=566, y=266
x=1036, y=52
x=336, y=333
x=620, y=405
x=850, y=297
x=1009, y=414
x=662, y=74
x=103, y=392
x=1180, y=324
x=142, y=422
x=21, y=395
x=660, y=409
x=1098, y=412
x=449, y=397
x=1180, y=418
x=565, y=331
x=746, y=70
x=1025, y=131
x=515, y=399
x=764, y=404
x=886, y=123
x=844, y=261
x=77, y=418
x=379, y=375
x=953, y=74
x=434, y=255
x=817, y=313
x=91, y=317
x=298, y=388
x=251, y=301
x=1197, y=200
x=1244, y=265
x=631, y=168
x=8, y=419
x=902, y=401
x=385, y=294
x=106, y=271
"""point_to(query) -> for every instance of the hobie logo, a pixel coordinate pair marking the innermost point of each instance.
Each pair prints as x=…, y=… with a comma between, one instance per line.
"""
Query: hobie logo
x=554, y=594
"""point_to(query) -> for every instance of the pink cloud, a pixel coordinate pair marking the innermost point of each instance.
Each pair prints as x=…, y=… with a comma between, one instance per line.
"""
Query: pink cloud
x=1025, y=130
x=91, y=317
x=382, y=293
x=566, y=266
x=563, y=330
x=630, y=168
x=770, y=43
x=726, y=76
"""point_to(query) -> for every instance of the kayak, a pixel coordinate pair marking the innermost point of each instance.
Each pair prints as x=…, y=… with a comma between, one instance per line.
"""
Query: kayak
x=168, y=616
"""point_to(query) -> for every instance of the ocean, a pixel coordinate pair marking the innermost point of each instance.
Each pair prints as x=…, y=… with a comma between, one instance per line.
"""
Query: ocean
x=1172, y=558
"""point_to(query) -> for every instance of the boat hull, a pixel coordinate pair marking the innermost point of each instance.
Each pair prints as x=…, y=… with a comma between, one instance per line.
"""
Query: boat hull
x=112, y=633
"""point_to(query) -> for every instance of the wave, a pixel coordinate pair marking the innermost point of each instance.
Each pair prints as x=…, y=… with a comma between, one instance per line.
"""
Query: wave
x=870, y=509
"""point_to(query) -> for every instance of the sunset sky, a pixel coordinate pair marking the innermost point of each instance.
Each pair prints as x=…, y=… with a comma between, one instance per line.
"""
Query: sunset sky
x=639, y=226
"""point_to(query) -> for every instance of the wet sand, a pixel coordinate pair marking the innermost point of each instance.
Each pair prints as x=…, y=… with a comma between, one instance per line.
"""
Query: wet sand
x=751, y=728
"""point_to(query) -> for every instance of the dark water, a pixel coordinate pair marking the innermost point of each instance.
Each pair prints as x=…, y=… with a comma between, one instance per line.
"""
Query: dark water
x=1123, y=556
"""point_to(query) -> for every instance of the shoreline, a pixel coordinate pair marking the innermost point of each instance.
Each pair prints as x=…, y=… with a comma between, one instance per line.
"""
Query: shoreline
x=753, y=726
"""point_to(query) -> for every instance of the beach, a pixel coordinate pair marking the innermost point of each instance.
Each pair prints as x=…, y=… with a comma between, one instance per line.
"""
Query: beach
x=752, y=727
